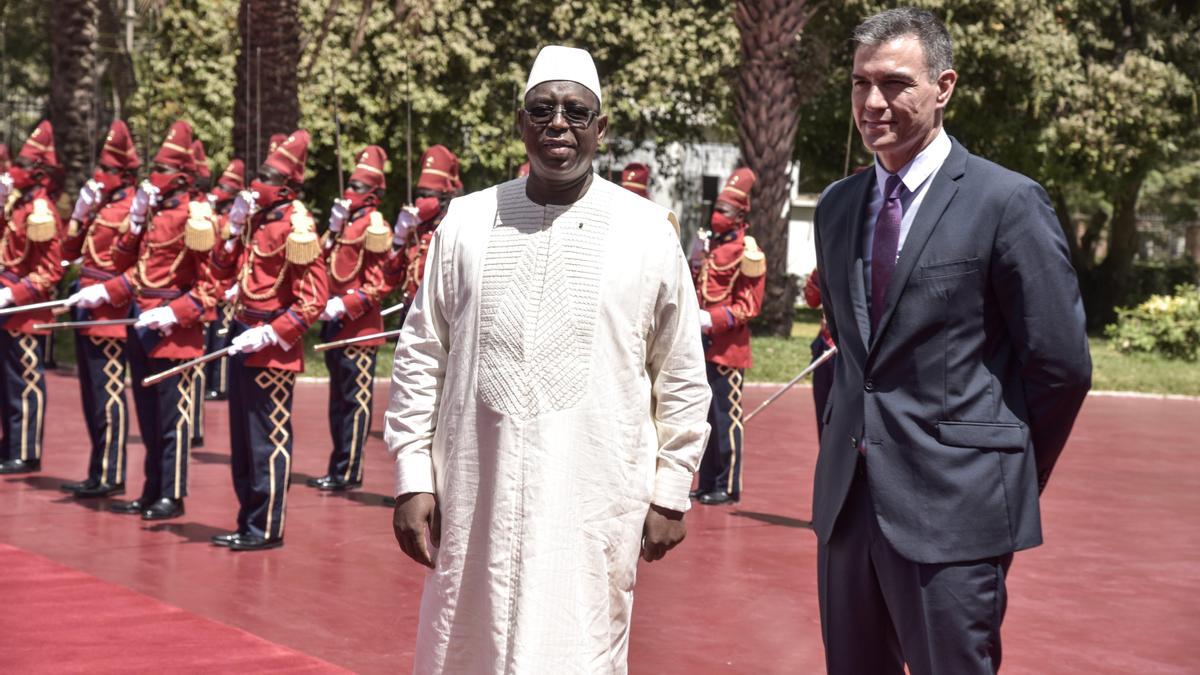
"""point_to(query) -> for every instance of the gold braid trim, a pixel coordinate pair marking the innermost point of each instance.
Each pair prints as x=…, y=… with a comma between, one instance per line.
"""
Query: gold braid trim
x=378, y=235
x=358, y=263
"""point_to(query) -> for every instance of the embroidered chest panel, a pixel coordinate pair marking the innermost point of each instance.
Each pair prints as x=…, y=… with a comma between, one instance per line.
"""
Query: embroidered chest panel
x=539, y=301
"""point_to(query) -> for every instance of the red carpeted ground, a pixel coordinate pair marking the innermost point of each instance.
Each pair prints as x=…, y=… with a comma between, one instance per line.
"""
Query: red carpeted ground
x=1114, y=590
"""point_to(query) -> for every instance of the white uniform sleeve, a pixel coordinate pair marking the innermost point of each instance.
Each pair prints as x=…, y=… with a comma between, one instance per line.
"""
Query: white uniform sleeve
x=418, y=373
x=681, y=398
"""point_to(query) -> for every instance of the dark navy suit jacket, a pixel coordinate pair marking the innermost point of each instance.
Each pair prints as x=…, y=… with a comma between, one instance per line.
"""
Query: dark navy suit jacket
x=968, y=390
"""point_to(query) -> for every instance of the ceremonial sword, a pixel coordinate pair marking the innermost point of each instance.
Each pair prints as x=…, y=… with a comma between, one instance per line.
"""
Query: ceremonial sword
x=392, y=310
x=17, y=309
x=84, y=324
x=816, y=363
x=325, y=346
x=211, y=356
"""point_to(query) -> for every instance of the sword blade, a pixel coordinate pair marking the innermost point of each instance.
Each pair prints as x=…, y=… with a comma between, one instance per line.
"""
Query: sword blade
x=816, y=363
x=61, y=325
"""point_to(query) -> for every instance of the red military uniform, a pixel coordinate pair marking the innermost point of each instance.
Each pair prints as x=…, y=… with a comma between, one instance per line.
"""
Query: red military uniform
x=635, y=177
x=100, y=350
x=730, y=280
x=216, y=373
x=276, y=257
x=165, y=257
x=357, y=254
x=440, y=175
x=30, y=257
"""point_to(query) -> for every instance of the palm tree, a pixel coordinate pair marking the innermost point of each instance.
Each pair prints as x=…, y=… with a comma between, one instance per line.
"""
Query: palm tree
x=766, y=104
x=266, y=100
x=73, y=109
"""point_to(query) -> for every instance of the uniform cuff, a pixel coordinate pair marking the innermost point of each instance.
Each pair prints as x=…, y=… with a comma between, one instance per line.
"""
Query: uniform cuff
x=414, y=473
x=671, y=487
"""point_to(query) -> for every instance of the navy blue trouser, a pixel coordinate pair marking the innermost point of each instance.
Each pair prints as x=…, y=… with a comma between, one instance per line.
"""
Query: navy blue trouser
x=23, y=399
x=101, y=365
x=721, y=467
x=351, y=387
x=880, y=611
x=260, y=429
x=164, y=413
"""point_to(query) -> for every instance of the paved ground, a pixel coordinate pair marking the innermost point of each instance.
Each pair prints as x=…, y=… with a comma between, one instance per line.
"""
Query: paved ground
x=1114, y=590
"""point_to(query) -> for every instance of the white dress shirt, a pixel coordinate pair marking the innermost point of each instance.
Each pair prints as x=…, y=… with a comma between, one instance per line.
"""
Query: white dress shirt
x=917, y=176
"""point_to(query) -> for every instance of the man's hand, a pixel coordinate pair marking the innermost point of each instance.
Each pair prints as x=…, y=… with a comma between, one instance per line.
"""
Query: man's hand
x=6, y=187
x=89, y=297
x=143, y=200
x=254, y=340
x=663, y=531
x=335, y=307
x=414, y=512
x=161, y=319
x=338, y=214
x=405, y=221
x=89, y=197
x=243, y=207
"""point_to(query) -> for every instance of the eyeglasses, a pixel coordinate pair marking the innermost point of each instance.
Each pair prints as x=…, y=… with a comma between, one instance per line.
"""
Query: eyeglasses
x=577, y=116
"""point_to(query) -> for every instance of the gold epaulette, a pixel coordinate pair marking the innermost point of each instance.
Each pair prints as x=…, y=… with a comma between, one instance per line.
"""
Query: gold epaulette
x=379, y=235
x=199, y=234
x=303, y=246
x=674, y=221
x=40, y=225
x=754, y=262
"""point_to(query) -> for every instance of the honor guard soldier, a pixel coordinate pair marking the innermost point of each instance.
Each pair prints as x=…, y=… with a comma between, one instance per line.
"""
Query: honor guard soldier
x=199, y=192
x=101, y=214
x=357, y=242
x=438, y=183
x=635, y=177
x=730, y=279
x=216, y=372
x=164, y=253
x=274, y=252
x=30, y=268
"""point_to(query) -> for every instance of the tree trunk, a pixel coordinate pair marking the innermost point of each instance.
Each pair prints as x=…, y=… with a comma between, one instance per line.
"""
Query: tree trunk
x=265, y=97
x=74, y=31
x=766, y=106
x=1113, y=275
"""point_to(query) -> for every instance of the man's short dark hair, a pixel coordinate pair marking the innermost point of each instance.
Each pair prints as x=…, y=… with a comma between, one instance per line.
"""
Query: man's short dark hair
x=909, y=21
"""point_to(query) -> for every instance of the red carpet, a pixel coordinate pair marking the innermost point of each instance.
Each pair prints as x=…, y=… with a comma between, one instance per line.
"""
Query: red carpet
x=59, y=620
x=1113, y=590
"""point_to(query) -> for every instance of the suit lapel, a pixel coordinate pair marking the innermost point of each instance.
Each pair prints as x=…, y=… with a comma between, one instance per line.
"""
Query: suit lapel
x=941, y=193
x=853, y=226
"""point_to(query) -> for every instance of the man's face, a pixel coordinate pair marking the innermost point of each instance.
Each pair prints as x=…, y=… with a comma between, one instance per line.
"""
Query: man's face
x=896, y=106
x=358, y=187
x=559, y=149
x=269, y=175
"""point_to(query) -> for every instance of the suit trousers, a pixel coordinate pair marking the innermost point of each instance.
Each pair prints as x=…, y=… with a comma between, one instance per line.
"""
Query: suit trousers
x=101, y=364
x=351, y=387
x=23, y=400
x=260, y=428
x=164, y=413
x=721, y=467
x=880, y=611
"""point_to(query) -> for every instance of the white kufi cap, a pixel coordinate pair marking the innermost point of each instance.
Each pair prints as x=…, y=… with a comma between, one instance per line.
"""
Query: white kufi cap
x=556, y=62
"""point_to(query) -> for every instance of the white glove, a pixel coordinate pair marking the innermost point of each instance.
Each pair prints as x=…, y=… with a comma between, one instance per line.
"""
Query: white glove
x=705, y=321
x=696, y=255
x=89, y=198
x=5, y=187
x=338, y=214
x=334, y=309
x=89, y=297
x=232, y=293
x=161, y=319
x=143, y=200
x=405, y=221
x=255, y=339
x=243, y=207
x=6, y=297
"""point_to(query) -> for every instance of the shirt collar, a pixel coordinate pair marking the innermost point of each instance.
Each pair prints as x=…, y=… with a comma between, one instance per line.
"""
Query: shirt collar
x=919, y=168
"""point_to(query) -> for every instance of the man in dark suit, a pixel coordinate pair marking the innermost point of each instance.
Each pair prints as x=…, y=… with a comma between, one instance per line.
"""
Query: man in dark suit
x=963, y=363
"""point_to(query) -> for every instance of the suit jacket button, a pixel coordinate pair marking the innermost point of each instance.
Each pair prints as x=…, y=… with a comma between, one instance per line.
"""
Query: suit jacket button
x=869, y=385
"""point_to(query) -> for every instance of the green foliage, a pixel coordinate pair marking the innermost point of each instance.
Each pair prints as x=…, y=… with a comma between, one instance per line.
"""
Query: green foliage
x=462, y=67
x=1159, y=277
x=24, y=67
x=1168, y=325
x=184, y=59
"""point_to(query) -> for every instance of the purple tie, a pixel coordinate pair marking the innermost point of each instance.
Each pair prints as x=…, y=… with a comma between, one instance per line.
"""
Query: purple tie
x=885, y=245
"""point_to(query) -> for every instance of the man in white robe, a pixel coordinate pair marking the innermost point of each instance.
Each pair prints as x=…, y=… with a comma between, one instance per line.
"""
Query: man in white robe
x=549, y=403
